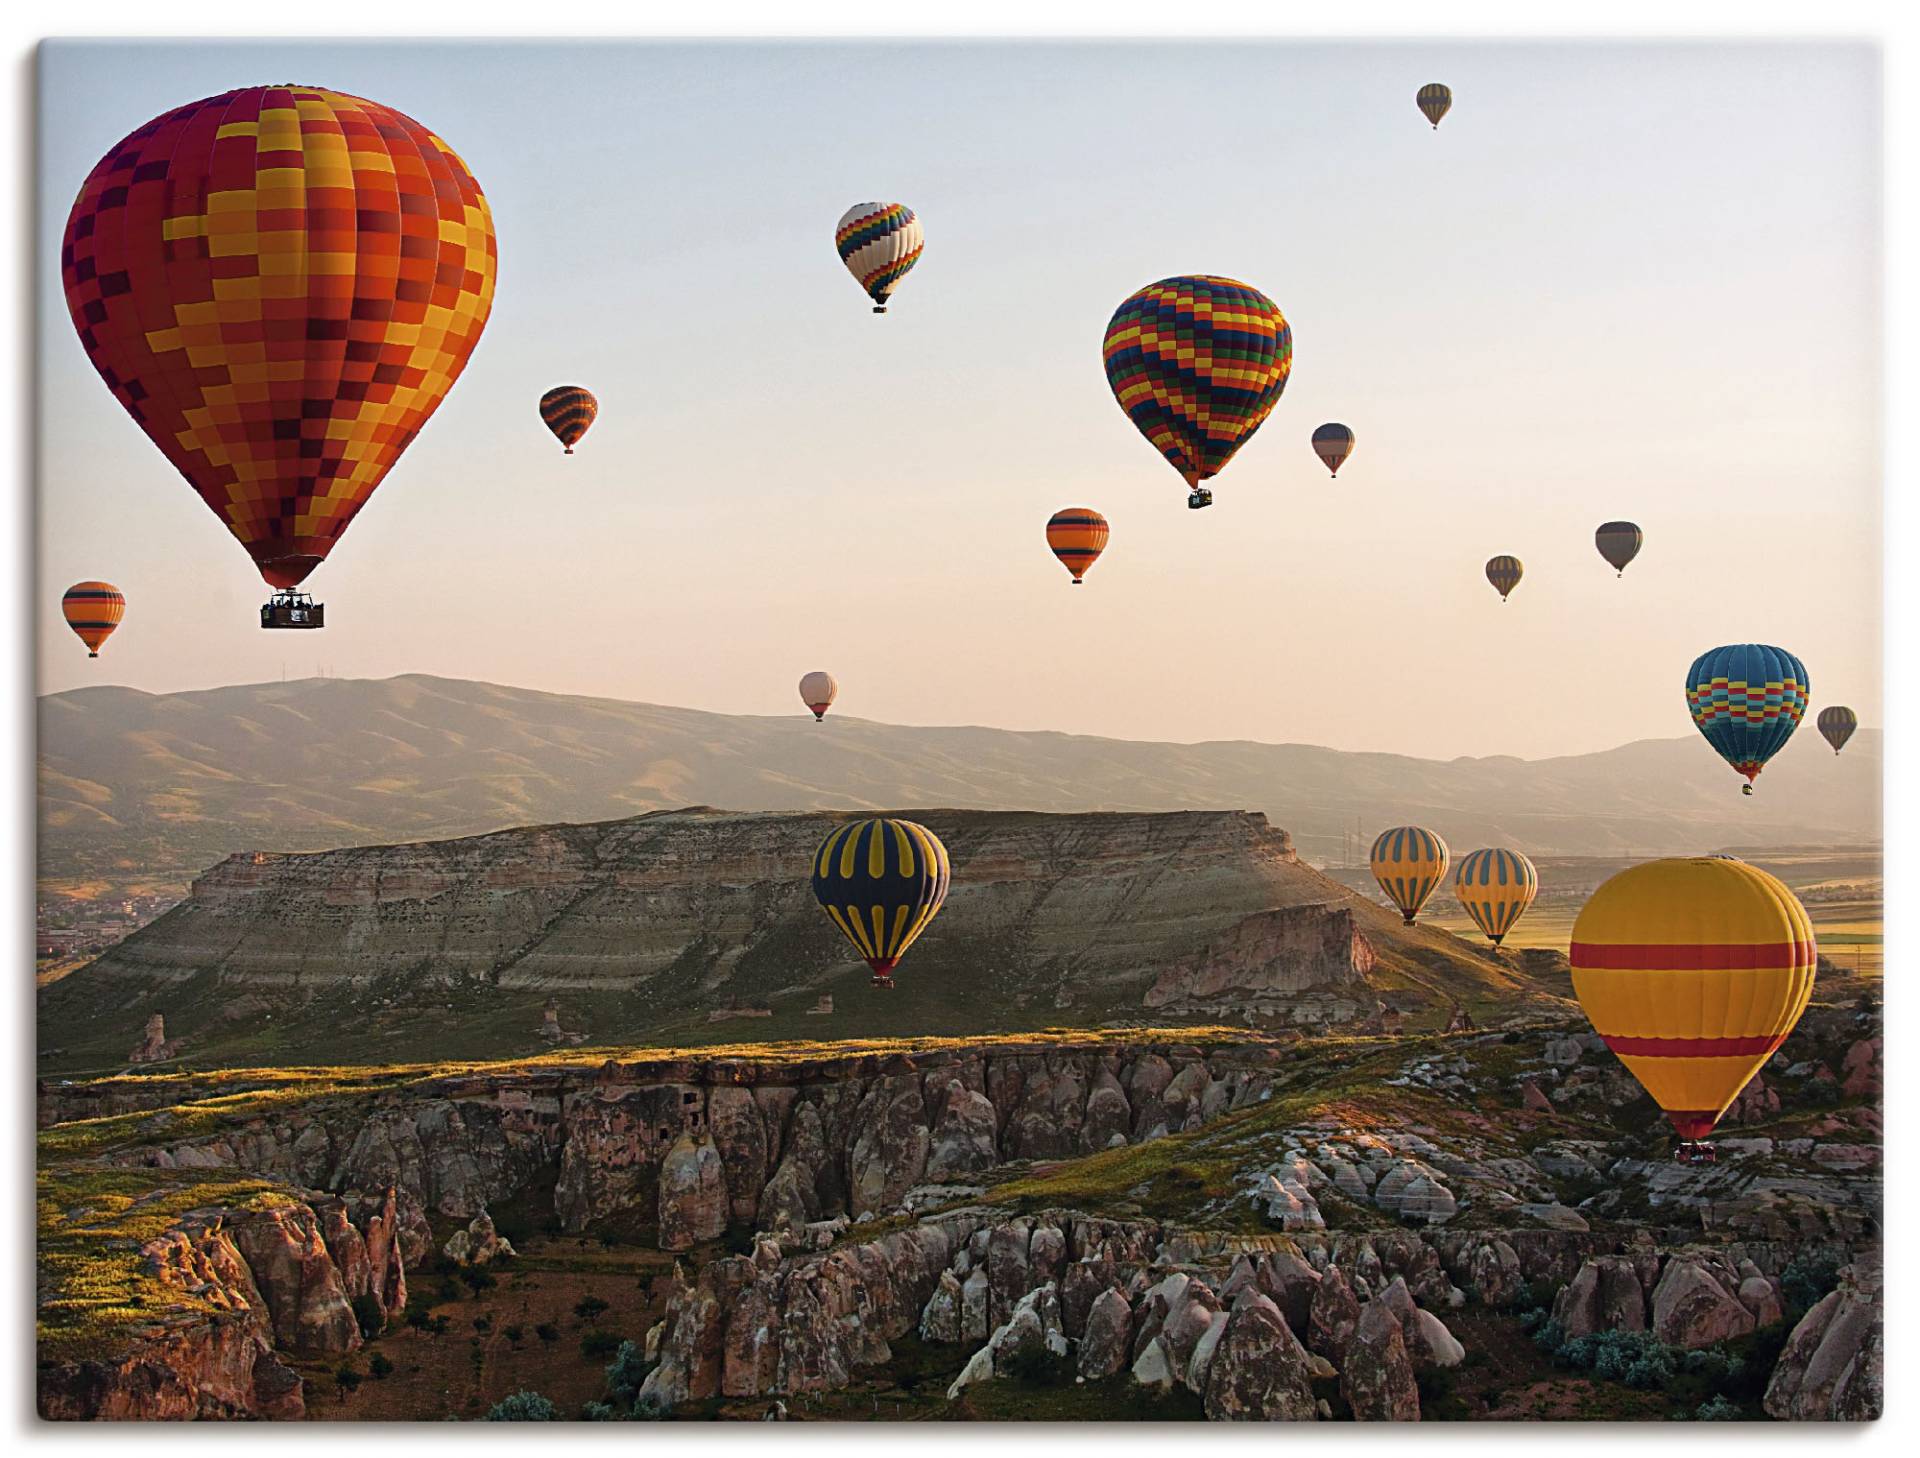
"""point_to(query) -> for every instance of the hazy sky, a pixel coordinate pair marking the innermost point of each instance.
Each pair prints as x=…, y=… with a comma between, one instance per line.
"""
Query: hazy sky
x=1632, y=281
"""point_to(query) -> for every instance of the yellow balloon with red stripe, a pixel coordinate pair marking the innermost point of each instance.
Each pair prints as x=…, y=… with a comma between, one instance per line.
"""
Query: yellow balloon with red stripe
x=881, y=881
x=1694, y=972
x=1495, y=888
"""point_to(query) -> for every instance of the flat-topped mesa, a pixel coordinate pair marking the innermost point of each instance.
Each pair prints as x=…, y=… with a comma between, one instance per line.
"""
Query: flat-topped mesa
x=1104, y=900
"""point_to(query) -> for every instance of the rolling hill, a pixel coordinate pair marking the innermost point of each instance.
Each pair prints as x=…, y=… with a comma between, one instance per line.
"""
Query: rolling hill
x=162, y=785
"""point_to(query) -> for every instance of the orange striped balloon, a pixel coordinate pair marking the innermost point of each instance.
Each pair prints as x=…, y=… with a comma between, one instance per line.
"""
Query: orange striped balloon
x=1694, y=972
x=93, y=610
x=568, y=410
x=1078, y=535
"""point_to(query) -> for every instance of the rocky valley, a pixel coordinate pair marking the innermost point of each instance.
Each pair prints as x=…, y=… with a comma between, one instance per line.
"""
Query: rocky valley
x=1197, y=1222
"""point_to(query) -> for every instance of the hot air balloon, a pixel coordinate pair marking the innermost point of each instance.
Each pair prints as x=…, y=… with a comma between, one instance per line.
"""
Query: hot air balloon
x=881, y=881
x=1434, y=101
x=1408, y=862
x=1078, y=535
x=1496, y=887
x=1694, y=972
x=93, y=610
x=817, y=692
x=1836, y=723
x=879, y=242
x=1504, y=573
x=1619, y=542
x=1333, y=444
x=1197, y=363
x=568, y=411
x=1747, y=699
x=280, y=284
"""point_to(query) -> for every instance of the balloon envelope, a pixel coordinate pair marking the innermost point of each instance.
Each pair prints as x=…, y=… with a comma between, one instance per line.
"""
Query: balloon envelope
x=1408, y=862
x=1496, y=887
x=879, y=242
x=1333, y=443
x=93, y=610
x=280, y=284
x=1198, y=362
x=1694, y=972
x=568, y=410
x=1078, y=535
x=1619, y=542
x=881, y=881
x=1434, y=101
x=1836, y=724
x=817, y=692
x=1504, y=573
x=1746, y=700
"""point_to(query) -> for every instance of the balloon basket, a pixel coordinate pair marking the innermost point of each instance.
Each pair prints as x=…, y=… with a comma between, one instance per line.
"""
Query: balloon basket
x=290, y=609
x=1693, y=1151
x=883, y=982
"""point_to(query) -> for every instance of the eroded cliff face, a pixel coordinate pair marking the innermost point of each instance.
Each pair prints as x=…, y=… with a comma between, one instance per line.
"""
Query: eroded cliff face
x=237, y=1288
x=691, y=1146
x=691, y=909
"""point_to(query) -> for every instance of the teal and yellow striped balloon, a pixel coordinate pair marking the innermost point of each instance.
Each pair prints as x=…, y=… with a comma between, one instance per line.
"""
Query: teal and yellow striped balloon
x=1409, y=861
x=1495, y=888
x=881, y=881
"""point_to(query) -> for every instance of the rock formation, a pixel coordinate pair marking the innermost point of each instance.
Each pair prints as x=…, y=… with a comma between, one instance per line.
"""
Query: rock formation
x=154, y=1045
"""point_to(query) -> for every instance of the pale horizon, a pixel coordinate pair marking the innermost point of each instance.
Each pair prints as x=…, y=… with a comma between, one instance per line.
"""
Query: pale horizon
x=1619, y=282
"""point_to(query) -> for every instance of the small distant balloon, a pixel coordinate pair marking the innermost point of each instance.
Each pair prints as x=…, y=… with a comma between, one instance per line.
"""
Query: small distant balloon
x=1434, y=101
x=1504, y=573
x=1619, y=542
x=1408, y=861
x=881, y=881
x=1836, y=725
x=1746, y=700
x=817, y=692
x=1078, y=535
x=568, y=410
x=1333, y=443
x=93, y=610
x=879, y=242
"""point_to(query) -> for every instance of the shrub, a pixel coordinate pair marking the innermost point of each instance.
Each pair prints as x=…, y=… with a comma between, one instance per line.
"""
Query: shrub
x=381, y=1368
x=348, y=1377
x=523, y=1407
x=483, y=1323
x=478, y=1278
x=547, y=1332
x=1716, y=1410
x=1033, y=1364
x=438, y=1325
x=589, y=1309
x=598, y=1412
x=368, y=1312
x=598, y=1343
x=625, y=1373
x=449, y=1290
x=513, y=1333
x=418, y=1317
x=1807, y=1278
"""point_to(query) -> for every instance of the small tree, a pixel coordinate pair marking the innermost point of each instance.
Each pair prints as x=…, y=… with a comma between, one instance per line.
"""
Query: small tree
x=547, y=1332
x=513, y=1333
x=523, y=1407
x=589, y=1309
x=348, y=1377
x=381, y=1368
x=598, y=1343
x=370, y=1315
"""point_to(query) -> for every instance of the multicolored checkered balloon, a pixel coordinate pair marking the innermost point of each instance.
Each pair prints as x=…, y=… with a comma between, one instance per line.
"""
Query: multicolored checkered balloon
x=1198, y=363
x=280, y=284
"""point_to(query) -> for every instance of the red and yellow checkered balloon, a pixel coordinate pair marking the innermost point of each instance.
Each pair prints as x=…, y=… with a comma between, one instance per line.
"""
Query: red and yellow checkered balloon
x=280, y=284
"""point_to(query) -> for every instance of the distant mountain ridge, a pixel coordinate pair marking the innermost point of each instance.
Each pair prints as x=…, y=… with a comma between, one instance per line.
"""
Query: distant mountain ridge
x=165, y=785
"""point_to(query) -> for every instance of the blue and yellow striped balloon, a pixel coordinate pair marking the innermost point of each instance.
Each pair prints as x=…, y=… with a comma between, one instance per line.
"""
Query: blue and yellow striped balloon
x=1495, y=888
x=1746, y=700
x=881, y=881
x=1408, y=862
